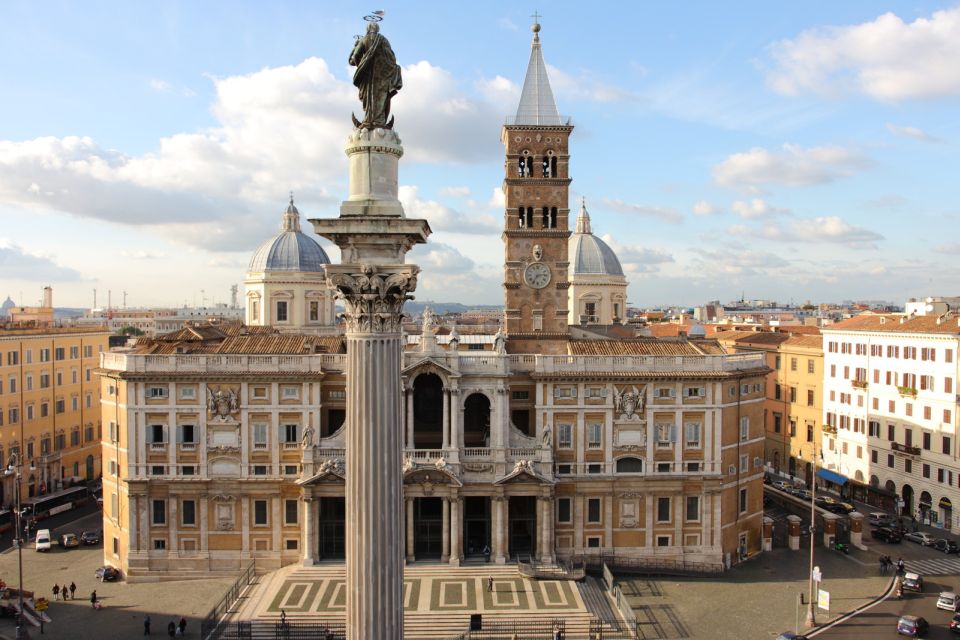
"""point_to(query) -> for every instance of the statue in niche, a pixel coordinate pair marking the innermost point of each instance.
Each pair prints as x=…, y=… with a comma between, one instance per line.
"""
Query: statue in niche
x=377, y=76
x=307, y=439
x=547, y=436
x=630, y=402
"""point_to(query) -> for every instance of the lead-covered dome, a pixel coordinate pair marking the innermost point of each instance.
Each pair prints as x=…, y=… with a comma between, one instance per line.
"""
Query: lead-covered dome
x=588, y=254
x=289, y=250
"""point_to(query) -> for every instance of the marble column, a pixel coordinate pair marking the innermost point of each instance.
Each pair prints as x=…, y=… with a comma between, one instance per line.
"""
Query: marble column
x=497, y=525
x=446, y=419
x=456, y=532
x=373, y=282
x=409, y=394
x=307, y=529
x=410, y=557
x=447, y=525
x=546, y=554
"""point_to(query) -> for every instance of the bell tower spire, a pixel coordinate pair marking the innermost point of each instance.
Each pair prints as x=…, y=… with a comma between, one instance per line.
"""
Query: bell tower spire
x=536, y=189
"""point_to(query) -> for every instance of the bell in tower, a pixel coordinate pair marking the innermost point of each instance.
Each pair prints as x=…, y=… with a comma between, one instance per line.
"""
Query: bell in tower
x=536, y=189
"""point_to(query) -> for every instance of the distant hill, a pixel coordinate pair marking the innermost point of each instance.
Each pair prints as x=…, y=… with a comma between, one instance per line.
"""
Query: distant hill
x=415, y=307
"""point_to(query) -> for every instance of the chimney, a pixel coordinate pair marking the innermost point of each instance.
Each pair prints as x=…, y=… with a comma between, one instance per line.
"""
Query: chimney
x=48, y=297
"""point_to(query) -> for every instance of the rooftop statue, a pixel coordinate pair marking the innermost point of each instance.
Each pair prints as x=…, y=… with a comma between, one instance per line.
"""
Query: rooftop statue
x=377, y=77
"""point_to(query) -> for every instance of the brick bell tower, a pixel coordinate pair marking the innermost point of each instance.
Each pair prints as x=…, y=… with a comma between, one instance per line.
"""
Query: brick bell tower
x=536, y=221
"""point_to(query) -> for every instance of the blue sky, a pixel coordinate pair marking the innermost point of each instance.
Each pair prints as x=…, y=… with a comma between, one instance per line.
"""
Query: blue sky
x=782, y=150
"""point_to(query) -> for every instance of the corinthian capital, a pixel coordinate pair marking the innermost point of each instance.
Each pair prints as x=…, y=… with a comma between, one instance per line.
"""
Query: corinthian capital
x=373, y=295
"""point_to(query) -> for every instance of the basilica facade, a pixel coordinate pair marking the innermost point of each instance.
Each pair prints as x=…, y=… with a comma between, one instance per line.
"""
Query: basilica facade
x=226, y=443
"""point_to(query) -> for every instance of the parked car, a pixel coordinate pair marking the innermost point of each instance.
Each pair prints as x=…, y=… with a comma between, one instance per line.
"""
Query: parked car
x=946, y=546
x=888, y=535
x=69, y=541
x=43, y=540
x=847, y=508
x=90, y=537
x=912, y=582
x=881, y=519
x=106, y=573
x=948, y=600
x=803, y=494
x=955, y=623
x=919, y=537
x=913, y=626
x=780, y=484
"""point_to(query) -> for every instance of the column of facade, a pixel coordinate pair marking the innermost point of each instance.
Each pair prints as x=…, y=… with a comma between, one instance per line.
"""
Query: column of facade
x=456, y=419
x=409, y=397
x=245, y=526
x=608, y=521
x=173, y=524
x=543, y=526
x=497, y=525
x=409, y=536
x=276, y=523
x=204, y=526
x=578, y=522
x=446, y=419
x=456, y=531
x=135, y=501
x=446, y=527
x=307, y=529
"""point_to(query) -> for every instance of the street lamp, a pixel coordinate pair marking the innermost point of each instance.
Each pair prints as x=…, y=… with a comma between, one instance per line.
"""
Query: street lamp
x=13, y=469
x=811, y=619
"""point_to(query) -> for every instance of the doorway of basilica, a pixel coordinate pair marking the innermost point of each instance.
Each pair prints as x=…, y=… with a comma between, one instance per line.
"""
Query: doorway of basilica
x=428, y=528
x=332, y=529
x=523, y=525
x=476, y=526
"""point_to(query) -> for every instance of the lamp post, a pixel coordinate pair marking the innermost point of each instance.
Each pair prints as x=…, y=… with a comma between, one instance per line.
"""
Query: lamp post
x=13, y=469
x=811, y=620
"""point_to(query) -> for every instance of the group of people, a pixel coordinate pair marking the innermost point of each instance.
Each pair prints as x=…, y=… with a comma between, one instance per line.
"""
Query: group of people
x=886, y=562
x=64, y=592
x=174, y=629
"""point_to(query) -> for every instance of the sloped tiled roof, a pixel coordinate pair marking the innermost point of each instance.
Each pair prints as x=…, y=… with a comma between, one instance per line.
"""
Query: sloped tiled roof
x=948, y=324
x=645, y=347
x=806, y=342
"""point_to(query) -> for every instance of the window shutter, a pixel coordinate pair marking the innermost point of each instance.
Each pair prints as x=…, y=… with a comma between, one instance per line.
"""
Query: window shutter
x=603, y=392
x=673, y=433
x=573, y=392
x=179, y=434
x=673, y=392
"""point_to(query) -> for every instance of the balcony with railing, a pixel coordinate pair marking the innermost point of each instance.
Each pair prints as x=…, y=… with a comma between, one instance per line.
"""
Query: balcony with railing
x=217, y=363
x=859, y=384
x=905, y=449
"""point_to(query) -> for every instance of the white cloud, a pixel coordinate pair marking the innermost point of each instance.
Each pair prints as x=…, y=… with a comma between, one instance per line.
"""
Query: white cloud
x=666, y=214
x=793, y=166
x=755, y=208
x=885, y=58
x=160, y=85
x=440, y=258
x=740, y=261
x=498, y=199
x=455, y=192
x=636, y=259
x=224, y=187
x=499, y=91
x=704, y=208
x=442, y=217
x=20, y=264
x=142, y=255
x=824, y=229
x=584, y=86
x=912, y=132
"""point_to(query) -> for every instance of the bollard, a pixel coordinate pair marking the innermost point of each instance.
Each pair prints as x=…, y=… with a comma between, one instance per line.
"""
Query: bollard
x=829, y=529
x=856, y=529
x=793, y=524
x=767, y=533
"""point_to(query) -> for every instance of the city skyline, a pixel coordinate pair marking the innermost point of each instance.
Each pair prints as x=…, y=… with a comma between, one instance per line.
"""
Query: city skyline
x=717, y=154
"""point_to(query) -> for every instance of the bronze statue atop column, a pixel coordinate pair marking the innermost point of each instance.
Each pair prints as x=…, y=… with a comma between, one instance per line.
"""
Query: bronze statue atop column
x=377, y=77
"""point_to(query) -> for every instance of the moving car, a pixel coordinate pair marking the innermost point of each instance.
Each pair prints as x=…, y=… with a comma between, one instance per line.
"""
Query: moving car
x=912, y=582
x=955, y=623
x=106, y=573
x=948, y=600
x=946, y=546
x=919, y=537
x=913, y=626
x=888, y=535
x=69, y=541
x=881, y=519
x=43, y=540
x=90, y=537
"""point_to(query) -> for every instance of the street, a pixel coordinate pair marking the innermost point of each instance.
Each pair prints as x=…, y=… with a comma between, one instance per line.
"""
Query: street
x=74, y=521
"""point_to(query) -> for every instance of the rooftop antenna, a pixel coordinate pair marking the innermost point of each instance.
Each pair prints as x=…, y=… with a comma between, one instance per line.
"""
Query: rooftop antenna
x=124, y=298
x=94, y=298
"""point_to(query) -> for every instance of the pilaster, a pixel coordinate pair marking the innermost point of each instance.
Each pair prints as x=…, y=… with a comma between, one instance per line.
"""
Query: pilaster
x=456, y=531
x=447, y=526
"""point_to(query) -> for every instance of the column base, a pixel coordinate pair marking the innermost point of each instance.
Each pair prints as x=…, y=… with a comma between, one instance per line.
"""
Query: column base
x=501, y=560
x=411, y=559
x=308, y=562
x=454, y=561
x=445, y=559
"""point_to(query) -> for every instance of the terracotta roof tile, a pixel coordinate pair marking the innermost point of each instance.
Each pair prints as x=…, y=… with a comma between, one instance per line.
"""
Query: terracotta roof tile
x=947, y=324
x=644, y=347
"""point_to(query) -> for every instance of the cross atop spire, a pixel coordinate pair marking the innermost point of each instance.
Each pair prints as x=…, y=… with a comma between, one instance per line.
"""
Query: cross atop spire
x=537, y=106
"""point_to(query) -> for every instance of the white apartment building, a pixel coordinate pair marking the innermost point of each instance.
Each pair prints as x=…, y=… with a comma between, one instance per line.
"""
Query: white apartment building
x=890, y=412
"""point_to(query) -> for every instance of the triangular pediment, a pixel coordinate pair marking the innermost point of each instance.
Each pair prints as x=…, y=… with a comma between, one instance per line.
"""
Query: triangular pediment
x=429, y=365
x=430, y=474
x=523, y=473
x=326, y=475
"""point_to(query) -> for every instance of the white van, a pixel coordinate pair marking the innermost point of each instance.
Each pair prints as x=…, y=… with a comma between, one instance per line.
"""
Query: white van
x=881, y=519
x=43, y=540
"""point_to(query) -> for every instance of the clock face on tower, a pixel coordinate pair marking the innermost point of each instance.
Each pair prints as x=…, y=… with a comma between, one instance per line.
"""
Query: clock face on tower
x=537, y=275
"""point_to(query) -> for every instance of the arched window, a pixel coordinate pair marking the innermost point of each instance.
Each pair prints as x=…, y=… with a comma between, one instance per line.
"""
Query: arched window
x=521, y=219
x=529, y=217
x=553, y=218
x=522, y=167
x=553, y=166
x=546, y=167
x=629, y=465
x=529, y=166
x=545, y=218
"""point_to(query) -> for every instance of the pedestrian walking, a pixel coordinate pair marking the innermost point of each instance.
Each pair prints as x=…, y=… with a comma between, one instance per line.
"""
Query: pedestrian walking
x=901, y=567
x=146, y=624
x=56, y=592
x=172, y=628
x=490, y=583
x=883, y=565
x=73, y=588
x=93, y=599
x=64, y=590
x=182, y=626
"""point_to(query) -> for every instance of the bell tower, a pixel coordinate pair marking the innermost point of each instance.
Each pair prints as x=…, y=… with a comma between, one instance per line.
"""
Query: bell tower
x=536, y=221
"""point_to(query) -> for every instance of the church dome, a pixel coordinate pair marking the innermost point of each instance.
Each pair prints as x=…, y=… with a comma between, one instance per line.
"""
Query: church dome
x=6, y=306
x=589, y=255
x=289, y=250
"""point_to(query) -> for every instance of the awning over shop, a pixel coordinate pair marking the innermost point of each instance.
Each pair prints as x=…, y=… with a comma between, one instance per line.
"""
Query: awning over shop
x=831, y=476
x=945, y=503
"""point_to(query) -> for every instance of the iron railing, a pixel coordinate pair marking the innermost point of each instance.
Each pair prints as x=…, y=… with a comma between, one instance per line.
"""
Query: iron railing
x=210, y=625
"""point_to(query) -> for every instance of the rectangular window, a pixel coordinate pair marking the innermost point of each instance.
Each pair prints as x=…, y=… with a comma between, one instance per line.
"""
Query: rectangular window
x=874, y=456
x=259, y=392
x=693, y=508
x=259, y=469
x=810, y=397
x=692, y=434
x=565, y=436
x=926, y=471
x=290, y=433
x=188, y=393
x=908, y=466
x=314, y=311
x=926, y=440
x=593, y=510
x=594, y=433
x=743, y=500
x=665, y=434
x=946, y=448
x=156, y=433
x=290, y=511
x=563, y=509
x=890, y=460
x=946, y=415
x=188, y=510
x=156, y=392
x=811, y=367
x=793, y=364
x=259, y=436
x=159, y=544
x=157, y=470
x=260, y=512
x=520, y=395
x=744, y=427
x=159, y=512
x=186, y=434
x=282, y=311
x=663, y=509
